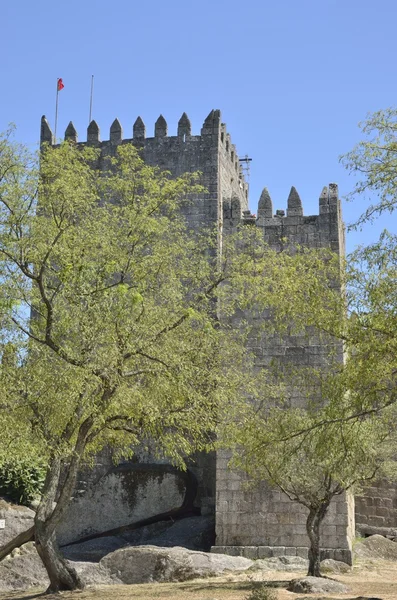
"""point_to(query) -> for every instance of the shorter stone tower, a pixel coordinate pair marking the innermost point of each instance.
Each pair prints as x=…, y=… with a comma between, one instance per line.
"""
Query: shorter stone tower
x=263, y=522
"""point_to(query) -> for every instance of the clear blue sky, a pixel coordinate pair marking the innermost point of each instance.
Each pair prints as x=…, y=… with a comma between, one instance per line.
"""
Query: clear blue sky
x=291, y=77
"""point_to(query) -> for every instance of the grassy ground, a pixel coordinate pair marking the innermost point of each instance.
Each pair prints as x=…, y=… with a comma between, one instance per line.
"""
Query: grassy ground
x=373, y=578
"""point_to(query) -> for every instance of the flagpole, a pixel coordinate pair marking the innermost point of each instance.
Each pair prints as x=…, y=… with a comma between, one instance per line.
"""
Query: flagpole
x=56, y=113
x=92, y=90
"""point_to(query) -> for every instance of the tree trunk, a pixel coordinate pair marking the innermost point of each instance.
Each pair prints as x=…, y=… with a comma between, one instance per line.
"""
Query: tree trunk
x=313, y=524
x=61, y=575
x=48, y=515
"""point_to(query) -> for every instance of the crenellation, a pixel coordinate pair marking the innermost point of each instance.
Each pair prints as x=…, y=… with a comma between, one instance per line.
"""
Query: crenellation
x=71, y=133
x=116, y=132
x=93, y=133
x=46, y=135
x=294, y=204
x=265, y=206
x=160, y=127
x=324, y=201
x=212, y=124
x=139, y=129
x=184, y=126
x=333, y=195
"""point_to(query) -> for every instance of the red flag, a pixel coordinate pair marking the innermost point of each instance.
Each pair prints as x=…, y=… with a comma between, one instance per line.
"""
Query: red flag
x=60, y=85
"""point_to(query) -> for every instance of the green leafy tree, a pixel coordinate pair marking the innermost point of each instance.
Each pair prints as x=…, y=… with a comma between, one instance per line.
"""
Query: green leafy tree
x=124, y=343
x=313, y=455
x=343, y=432
x=374, y=162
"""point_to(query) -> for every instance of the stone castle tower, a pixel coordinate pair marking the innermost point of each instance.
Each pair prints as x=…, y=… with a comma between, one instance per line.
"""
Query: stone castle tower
x=262, y=522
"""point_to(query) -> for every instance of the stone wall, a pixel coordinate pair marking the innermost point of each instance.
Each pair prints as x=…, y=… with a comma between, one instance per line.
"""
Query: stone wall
x=262, y=521
x=376, y=505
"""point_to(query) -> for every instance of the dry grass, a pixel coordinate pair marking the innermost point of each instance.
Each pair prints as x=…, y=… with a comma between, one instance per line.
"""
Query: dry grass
x=372, y=578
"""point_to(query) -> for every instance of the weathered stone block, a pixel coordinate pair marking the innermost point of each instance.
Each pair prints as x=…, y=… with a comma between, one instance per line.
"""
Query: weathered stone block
x=264, y=552
x=250, y=552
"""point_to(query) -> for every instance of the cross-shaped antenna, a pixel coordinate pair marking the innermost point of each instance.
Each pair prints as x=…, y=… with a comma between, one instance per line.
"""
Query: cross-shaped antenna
x=245, y=164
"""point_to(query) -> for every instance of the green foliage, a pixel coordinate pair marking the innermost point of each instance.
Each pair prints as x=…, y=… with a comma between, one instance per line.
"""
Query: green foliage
x=374, y=161
x=125, y=344
x=262, y=593
x=348, y=397
x=22, y=480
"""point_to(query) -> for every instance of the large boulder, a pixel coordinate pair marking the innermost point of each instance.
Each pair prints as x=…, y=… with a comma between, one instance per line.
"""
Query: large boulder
x=17, y=519
x=329, y=565
x=22, y=572
x=124, y=495
x=316, y=585
x=376, y=546
x=146, y=564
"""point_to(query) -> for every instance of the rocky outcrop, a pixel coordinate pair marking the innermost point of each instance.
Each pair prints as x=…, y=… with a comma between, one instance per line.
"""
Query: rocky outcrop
x=143, y=564
x=17, y=519
x=146, y=564
x=316, y=585
x=126, y=498
x=376, y=546
x=22, y=570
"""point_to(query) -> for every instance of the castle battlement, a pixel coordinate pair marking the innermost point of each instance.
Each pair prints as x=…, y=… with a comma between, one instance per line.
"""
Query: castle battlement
x=211, y=153
x=214, y=155
x=211, y=126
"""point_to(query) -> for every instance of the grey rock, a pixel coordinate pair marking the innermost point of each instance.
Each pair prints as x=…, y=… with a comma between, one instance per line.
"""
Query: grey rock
x=146, y=564
x=329, y=565
x=125, y=494
x=17, y=519
x=315, y=585
x=26, y=571
x=28, y=548
x=95, y=574
x=22, y=572
x=368, y=530
x=376, y=546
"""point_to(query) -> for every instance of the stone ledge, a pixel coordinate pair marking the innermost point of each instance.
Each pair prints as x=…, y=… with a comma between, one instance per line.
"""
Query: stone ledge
x=256, y=552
